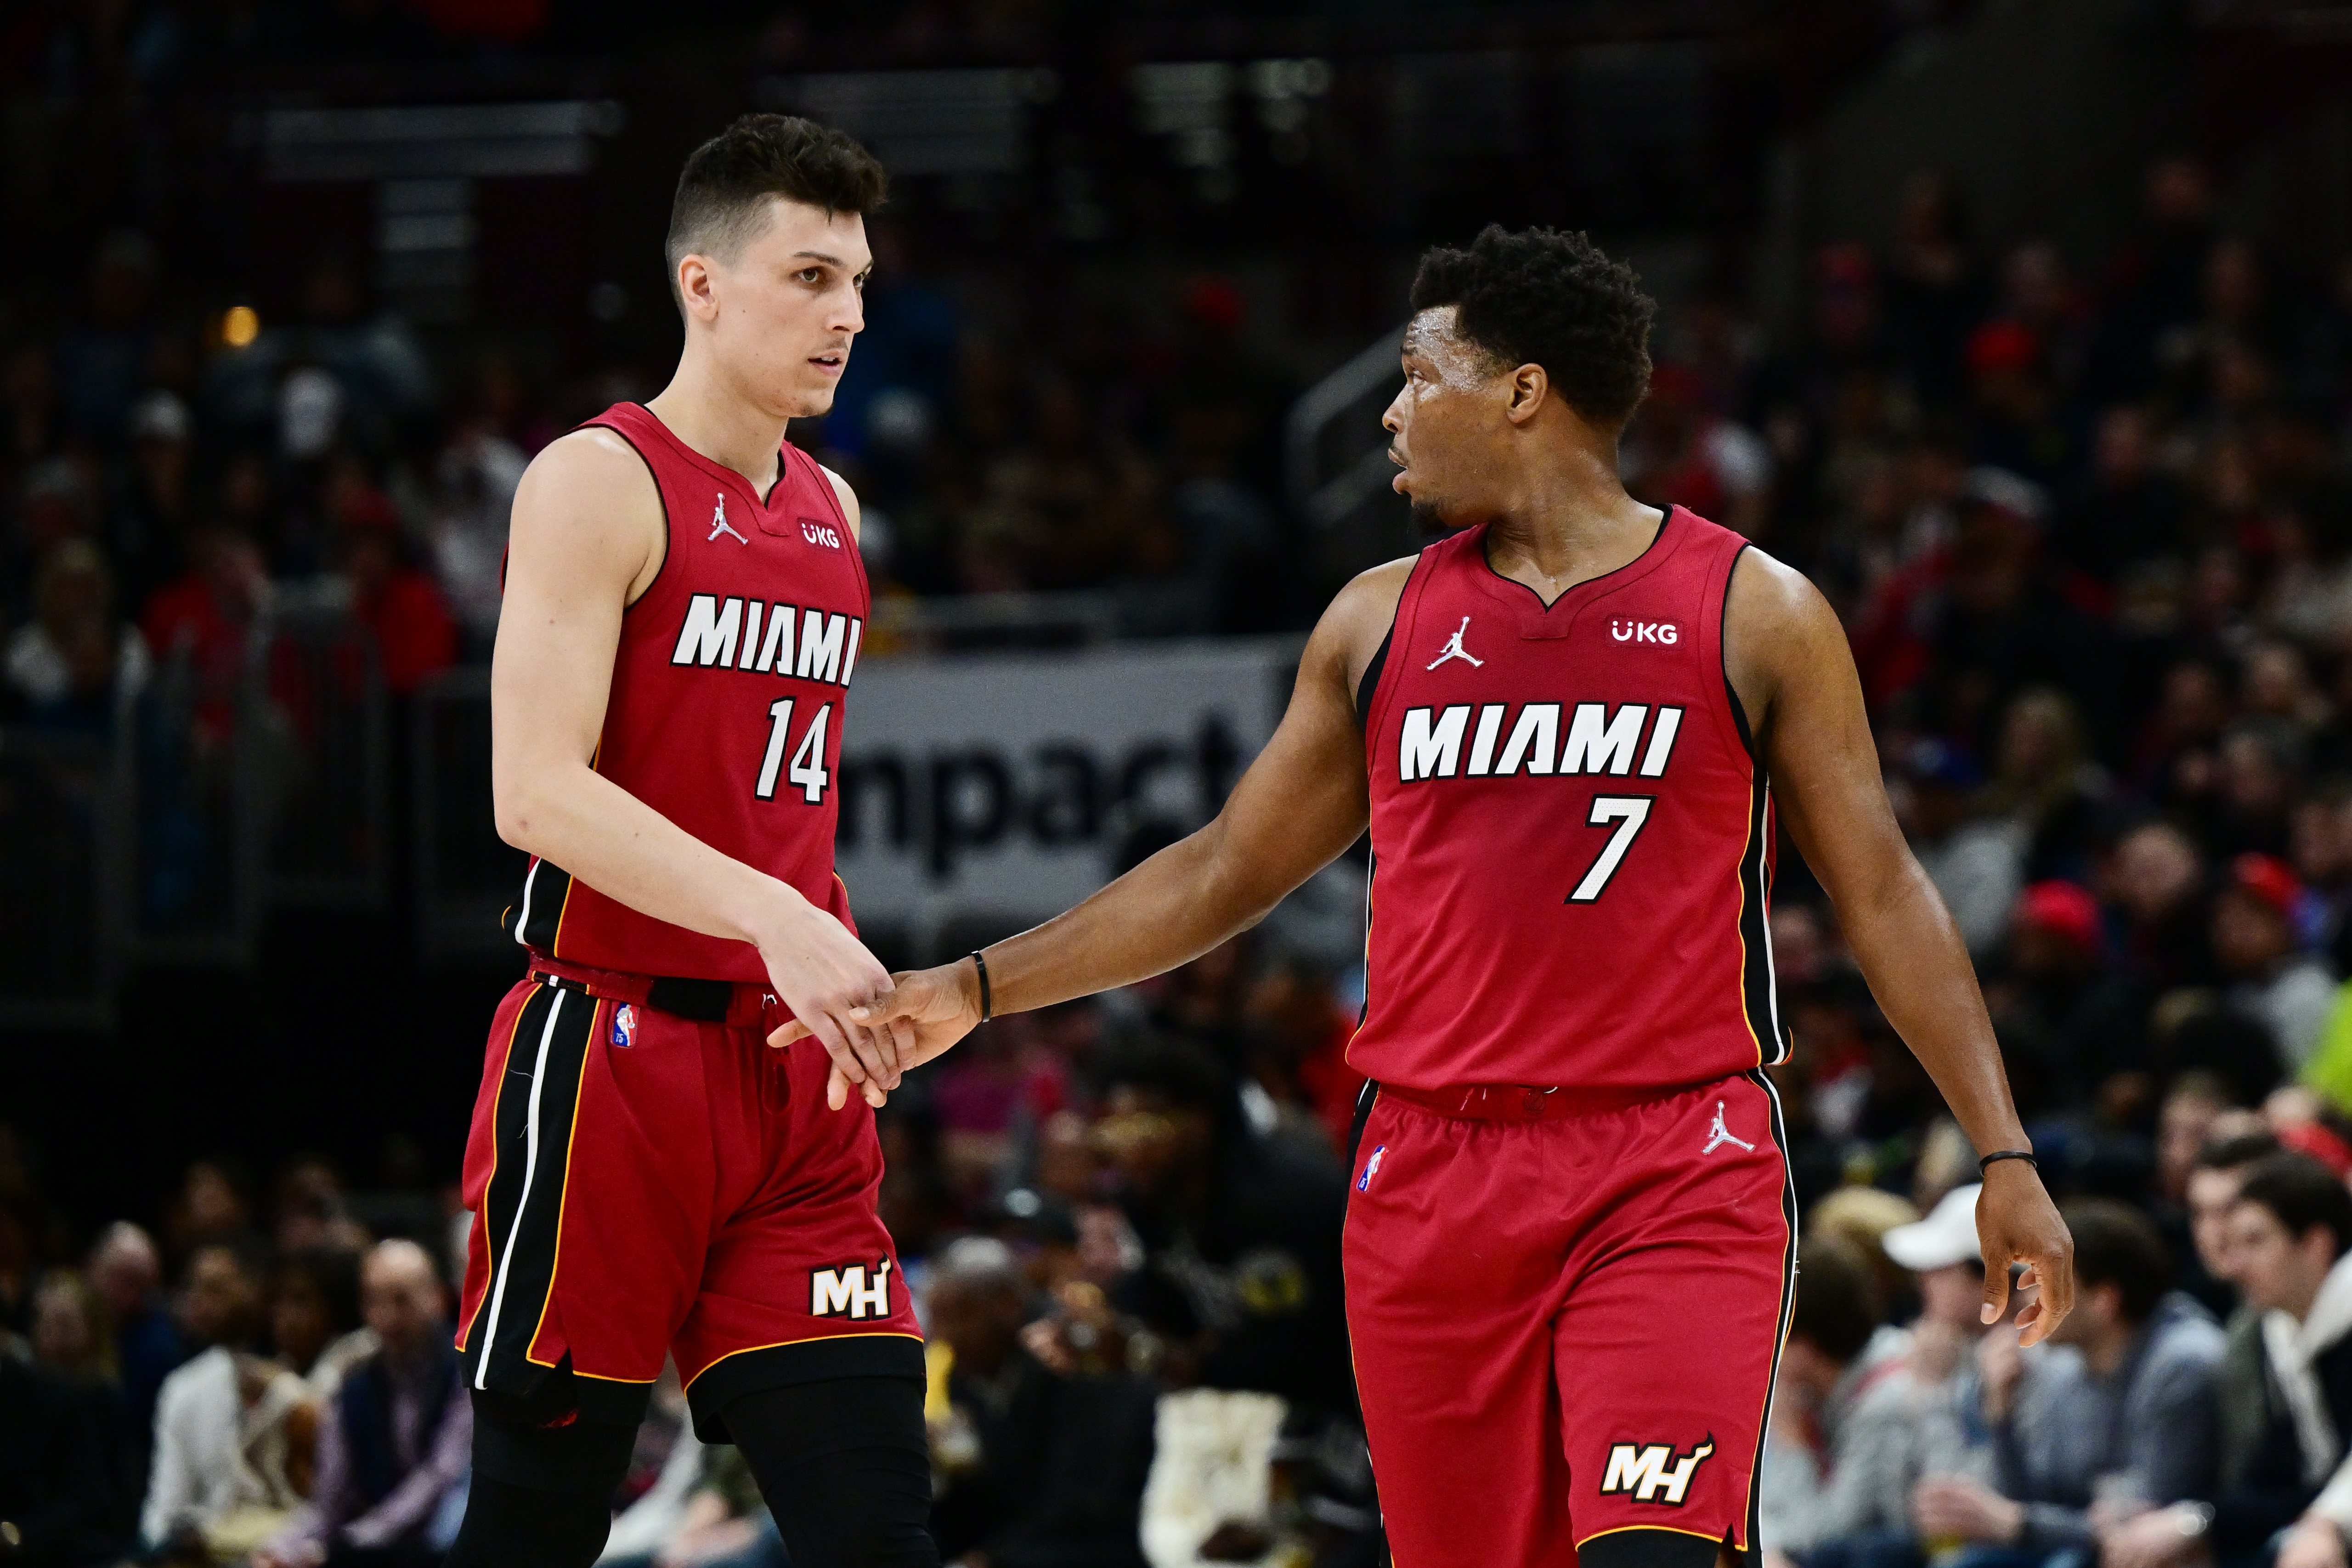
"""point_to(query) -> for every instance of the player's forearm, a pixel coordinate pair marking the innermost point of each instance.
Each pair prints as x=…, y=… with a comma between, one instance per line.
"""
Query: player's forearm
x=1918, y=969
x=1169, y=910
x=626, y=850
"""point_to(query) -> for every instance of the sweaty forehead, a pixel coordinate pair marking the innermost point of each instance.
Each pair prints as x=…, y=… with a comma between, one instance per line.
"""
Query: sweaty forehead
x=1432, y=332
x=1435, y=335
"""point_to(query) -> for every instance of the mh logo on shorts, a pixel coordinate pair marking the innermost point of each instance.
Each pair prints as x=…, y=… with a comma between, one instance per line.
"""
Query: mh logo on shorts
x=851, y=1291
x=1640, y=1469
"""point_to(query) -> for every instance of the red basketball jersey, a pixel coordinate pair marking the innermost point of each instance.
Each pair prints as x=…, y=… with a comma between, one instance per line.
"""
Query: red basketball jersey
x=729, y=689
x=1571, y=830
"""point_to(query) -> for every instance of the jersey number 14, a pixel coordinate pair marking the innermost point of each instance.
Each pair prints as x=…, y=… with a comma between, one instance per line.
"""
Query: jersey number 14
x=807, y=770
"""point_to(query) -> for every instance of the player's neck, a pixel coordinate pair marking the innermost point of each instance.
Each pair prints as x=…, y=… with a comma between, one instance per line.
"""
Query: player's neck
x=707, y=409
x=1567, y=520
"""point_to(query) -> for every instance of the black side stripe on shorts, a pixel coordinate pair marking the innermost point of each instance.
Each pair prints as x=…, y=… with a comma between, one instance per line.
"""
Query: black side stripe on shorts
x=537, y=1099
x=534, y=920
x=1779, y=1134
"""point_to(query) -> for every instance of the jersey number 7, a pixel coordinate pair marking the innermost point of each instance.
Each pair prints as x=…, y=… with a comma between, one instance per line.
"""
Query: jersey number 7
x=1628, y=812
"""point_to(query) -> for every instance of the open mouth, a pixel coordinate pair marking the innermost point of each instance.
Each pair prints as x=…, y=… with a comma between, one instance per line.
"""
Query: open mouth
x=831, y=362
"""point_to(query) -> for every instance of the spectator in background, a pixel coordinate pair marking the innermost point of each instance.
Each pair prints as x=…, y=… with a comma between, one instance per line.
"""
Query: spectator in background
x=206, y=616
x=1914, y=1420
x=61, y=1495
x=396, y=1444
x=1039, y=1467
x=77, y=661
x=2288, y=1234
x=313, y=1320
x=2156, y=880
x=1977, y=862
x=2066, y=1021
x=154, y=497
x=2214, y=1182
x=1835, y=1348
x=400, y=604
x=1678, y=451
x=2124, y=1421
x=1240, y=1234
x=128, y=1279
x=1861, y=1217
x=474, y=479
x=234, y=1430
x=71, y=1339
x=2203, y=1146
x=2255, y=937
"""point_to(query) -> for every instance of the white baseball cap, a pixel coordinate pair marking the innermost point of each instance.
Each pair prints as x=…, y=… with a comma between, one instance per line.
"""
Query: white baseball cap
x=1947, y=1236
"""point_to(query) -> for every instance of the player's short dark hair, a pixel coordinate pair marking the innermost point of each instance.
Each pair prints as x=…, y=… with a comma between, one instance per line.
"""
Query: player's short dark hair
x=727, y=181
x=1833, y=1310
x=1546, y=297
x=2116, y=1245
x=2301, y=1192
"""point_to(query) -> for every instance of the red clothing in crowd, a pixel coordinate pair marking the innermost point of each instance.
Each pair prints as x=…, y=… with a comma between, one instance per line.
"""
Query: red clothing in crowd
x=413, y=627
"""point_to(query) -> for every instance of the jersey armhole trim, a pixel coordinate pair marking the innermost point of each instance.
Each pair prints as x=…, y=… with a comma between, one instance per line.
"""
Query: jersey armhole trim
x=661, y=498
x=1723, y=658
x=841, y=514
x=1370, y=691
x=1368, y=685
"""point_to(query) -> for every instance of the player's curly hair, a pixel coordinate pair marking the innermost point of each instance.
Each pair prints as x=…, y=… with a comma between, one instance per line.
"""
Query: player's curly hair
x=1546, y=297
x=726, y=180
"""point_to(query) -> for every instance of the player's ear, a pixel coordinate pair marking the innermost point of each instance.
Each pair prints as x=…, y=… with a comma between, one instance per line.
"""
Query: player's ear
x=694, y=280
x=1530, y=387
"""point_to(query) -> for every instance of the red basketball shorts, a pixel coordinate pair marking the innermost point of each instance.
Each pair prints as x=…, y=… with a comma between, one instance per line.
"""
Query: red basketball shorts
x=644, y=1183
x=1565, y=1316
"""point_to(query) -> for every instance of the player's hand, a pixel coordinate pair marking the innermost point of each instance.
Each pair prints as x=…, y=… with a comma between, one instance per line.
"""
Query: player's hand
x=926, y=1011
x=2017, y=1223
x=824, y=975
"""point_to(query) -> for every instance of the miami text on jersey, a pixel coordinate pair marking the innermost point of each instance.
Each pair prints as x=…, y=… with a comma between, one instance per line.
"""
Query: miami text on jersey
x=725, y=633
x=1599, y=741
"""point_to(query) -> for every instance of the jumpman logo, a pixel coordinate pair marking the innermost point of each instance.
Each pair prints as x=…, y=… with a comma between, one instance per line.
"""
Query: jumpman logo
x=1454, y=648
x=1722, y=1135
x=720, y=525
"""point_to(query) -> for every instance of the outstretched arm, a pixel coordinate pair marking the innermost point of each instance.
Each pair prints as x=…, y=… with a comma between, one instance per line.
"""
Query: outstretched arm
x=1302, y=801
x=586, y=540
x=1788, y=658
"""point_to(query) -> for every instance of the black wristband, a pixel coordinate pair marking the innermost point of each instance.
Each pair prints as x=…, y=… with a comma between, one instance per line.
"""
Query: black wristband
x=981, y=963
x=2024, y=1154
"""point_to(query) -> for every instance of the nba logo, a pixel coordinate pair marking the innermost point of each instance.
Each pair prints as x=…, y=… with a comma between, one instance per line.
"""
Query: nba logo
x=1372, y=1169
x=625, y=1024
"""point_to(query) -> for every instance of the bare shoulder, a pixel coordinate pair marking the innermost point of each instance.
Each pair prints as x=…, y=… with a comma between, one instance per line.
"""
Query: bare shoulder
x=847, y=497
x=1772, y=610
x=1781, y=639
x=1359, y=617
x=588, y=504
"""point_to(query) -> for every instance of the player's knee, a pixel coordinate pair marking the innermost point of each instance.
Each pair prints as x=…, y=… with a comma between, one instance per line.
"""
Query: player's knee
x=1639, y=1548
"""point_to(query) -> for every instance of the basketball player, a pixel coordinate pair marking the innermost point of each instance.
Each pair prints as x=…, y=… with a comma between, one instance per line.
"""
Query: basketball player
x=1570, y=1229
x=684, y=606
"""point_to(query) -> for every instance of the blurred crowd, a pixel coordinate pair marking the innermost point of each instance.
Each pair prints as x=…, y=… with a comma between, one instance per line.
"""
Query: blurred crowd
x=2088, y=521
x=1119, y=1221
x=173, y=483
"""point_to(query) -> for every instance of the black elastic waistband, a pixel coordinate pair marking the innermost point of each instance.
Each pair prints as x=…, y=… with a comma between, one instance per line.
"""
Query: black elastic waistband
x=697, y=1000
x=703, y=1001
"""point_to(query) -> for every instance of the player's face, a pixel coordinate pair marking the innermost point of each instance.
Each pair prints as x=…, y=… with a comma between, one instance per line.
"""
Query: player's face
x=1445, y=422
x=783, y=310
